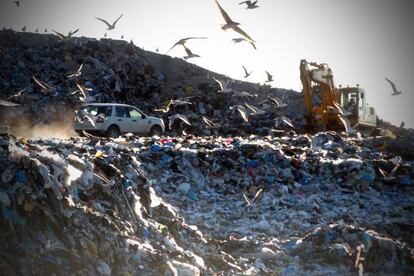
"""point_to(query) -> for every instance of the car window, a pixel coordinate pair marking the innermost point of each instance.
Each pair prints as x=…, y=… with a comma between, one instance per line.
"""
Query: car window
x=122, y=111
x=106, y=110
x=134, y=113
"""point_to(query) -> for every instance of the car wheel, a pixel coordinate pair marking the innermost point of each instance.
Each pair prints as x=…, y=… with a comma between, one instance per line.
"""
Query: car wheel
x=113, y=131
x=156, y=130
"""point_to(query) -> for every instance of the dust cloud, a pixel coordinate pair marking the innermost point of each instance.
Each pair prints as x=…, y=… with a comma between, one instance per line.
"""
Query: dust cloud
x=26, y=126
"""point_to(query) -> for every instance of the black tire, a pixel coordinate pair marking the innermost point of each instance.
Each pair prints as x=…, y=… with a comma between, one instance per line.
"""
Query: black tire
x=156, y=130
x=113, y=131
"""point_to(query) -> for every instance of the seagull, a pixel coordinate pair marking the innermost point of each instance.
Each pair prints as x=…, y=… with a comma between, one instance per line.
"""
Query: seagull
x=110, y=27
x=269, y=77
x=242, y=94
x=238, y=40
x=242, y=110
x=45, y=30
x=78, y=73
x=105, y=35
x=224, y=86
x=189, y=53
x=18, y=94
x=84, y=91
x=230, y=24
x=179, y=117
x=183, y=41
x=81, y=115
x=250, y=4
x=62, y=36
x=210, y=123
x=24, y=28
x=43, y=86
x=395, y=92
x=37, y=30
x=277, y=101
x=246, y=75
x=283, y=122
x=171, y=102
x=17, y=3
x=254, y=110
x=8, y=104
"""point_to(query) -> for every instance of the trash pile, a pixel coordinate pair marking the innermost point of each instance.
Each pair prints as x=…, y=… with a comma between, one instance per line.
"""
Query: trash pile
x=287, y=204
x=41, y=71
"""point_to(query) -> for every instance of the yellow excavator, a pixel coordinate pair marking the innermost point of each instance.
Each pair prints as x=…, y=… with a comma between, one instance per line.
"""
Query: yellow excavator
x=329, y=107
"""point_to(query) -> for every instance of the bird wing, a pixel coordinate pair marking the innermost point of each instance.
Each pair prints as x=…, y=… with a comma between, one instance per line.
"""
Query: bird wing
x=254, y=3
x=254, y=45
x=269, y=76
x=241, y=3
x=117, y=19
x=394, y=88
x=8, y=104
x=189, y=53
x=90, y=120
x=224, y=13
x=221, y=83
x=42, y=85
x=242, y=112
x=80, y=68
x=243, y=33
x=245, y=71
x=104, y=21
x=74, y=32
x=60, y=35
x=178, y=43
x=193, y=37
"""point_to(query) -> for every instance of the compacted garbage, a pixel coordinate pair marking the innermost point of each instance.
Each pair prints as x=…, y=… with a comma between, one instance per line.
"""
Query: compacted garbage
x=234, y=187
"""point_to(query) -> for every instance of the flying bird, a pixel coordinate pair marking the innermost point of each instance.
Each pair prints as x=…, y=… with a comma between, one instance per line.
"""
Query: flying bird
x=84, y=91
x=238, y=40
x=395, y=91
x=110, y=26
x=242, y=110
x=8, y=104
x=17, y=3
x=250, y=4
x=277, y=101
x=283, y=122
x=254, y=110
x=210, y=123
x=175, y=117
x=18, y=94
x=62, y=36
x=246, y=74
x=189, y=53
x=224, y=86
x=183, y=41
x=43, y=86
x=242, y=94
x=230, y=24
x=269, y=77
x=172, y=102
x=78, y=72
x=81, y=115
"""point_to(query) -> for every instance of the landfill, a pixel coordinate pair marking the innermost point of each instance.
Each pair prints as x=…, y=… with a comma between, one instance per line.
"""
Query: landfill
x=261, y=197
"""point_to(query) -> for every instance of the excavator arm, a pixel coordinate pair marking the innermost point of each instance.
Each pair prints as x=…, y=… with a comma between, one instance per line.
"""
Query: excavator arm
x=328, y=112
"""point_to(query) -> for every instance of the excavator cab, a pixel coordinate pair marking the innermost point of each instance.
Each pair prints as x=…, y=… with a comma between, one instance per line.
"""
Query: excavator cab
x=356, y=109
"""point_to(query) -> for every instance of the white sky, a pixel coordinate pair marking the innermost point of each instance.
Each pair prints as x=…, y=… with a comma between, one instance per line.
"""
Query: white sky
x=363, y=41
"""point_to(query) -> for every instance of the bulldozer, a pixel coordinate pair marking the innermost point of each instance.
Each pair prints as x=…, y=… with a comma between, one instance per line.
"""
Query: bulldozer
x=330, y=108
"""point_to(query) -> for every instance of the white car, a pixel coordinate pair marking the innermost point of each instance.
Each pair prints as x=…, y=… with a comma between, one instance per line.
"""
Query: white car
x=112, y=119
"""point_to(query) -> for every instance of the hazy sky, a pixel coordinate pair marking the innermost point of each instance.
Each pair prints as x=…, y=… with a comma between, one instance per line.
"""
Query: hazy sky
x=363, y=41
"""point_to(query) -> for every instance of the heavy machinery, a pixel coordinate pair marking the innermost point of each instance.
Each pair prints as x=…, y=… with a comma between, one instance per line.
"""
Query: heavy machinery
x=329, y=107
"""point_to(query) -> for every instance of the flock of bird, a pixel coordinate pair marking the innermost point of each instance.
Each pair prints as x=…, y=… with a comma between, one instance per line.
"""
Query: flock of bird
x=224, y=85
